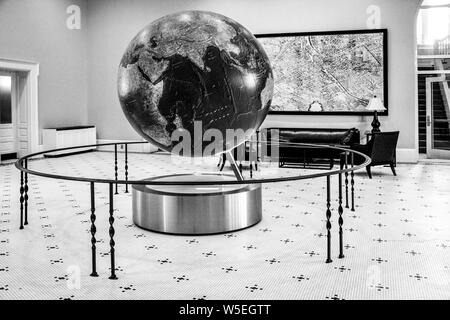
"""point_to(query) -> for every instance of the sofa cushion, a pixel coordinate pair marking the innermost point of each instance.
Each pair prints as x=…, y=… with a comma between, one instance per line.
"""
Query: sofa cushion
x=347, y=137
x=312, y=136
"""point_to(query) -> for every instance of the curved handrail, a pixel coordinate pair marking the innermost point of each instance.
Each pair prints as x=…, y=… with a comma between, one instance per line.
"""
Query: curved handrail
x=18, y=165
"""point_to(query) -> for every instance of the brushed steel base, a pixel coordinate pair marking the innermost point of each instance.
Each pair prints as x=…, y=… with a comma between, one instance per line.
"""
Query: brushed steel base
x=190, y=209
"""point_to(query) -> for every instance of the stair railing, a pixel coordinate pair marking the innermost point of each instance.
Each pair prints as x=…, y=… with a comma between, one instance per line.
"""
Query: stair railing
x=442, y=46
x=445, y=89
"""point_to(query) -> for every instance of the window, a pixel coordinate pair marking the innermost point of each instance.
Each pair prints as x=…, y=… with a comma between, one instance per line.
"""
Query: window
x=5, y=100
x=433, y=24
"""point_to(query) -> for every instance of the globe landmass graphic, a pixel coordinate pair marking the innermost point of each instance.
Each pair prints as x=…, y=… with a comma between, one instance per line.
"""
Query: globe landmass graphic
x=194, y=67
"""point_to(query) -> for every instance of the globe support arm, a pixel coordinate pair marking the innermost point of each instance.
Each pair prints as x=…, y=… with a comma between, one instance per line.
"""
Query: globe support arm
x=234, y=167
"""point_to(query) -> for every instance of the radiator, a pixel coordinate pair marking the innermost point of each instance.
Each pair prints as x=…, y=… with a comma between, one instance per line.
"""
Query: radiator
x=64, y=137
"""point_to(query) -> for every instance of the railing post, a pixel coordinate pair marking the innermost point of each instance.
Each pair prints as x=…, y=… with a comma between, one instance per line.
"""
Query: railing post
x=352, y=174
x=328, y=215
x=26, y=192
x=340, y=211
x=115, y=167
x=126, y=168
x=111, y=233
x=93, y=230
x=346, y=180
x=21, y=199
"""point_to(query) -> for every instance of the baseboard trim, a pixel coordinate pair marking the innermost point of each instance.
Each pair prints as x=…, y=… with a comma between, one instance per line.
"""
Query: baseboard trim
x=138, y=148
x=407, y=155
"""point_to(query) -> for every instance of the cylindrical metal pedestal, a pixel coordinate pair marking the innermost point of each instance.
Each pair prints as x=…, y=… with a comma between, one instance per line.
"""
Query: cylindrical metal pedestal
x=193, y=209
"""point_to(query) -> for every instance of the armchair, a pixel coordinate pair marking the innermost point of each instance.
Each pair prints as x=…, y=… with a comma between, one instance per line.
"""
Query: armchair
x=381, y=149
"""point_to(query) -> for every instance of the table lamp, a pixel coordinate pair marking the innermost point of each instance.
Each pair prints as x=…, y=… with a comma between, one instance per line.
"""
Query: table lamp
x=375, y=105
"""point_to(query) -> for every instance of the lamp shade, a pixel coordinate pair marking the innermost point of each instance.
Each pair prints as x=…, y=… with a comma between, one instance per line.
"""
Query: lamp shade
x=375, y=104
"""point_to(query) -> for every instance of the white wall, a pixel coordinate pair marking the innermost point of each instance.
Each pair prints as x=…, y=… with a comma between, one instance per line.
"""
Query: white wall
x=112, y=24
x=36, y=31
x=77, y=82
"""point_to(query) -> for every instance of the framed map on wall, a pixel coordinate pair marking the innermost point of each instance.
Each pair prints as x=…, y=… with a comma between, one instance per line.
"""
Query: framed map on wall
x=327, y=72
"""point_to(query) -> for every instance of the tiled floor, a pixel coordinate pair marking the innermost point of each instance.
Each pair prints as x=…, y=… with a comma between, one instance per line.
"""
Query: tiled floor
x=397, y=243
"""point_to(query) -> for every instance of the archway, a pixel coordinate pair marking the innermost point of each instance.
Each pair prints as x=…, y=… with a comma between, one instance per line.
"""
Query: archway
x=433, y=70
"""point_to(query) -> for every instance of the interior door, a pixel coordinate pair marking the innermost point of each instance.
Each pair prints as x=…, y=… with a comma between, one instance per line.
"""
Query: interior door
x=8, y=115
x=23, y=132
x=438, y=118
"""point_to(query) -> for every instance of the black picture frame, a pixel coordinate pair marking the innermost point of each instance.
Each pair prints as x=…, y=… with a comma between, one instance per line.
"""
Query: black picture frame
x=385, y=90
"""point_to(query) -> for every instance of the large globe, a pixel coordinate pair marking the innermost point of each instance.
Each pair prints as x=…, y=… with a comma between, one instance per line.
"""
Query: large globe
x=191, y=72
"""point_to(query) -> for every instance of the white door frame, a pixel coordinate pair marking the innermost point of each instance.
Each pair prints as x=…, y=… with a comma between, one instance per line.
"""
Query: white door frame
x=32, y=70
x=431, y=152
x=12, y=127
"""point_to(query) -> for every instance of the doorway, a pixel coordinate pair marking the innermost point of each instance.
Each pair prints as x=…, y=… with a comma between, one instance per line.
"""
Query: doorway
x=8, y=115
x=438, y=120
x=433, y=53
x=19, y=130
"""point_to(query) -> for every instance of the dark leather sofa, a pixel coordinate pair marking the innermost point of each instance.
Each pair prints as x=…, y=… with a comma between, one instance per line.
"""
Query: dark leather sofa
x=312, y=157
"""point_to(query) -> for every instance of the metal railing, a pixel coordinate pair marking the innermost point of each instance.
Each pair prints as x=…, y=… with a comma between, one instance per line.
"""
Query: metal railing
x=347, y=168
